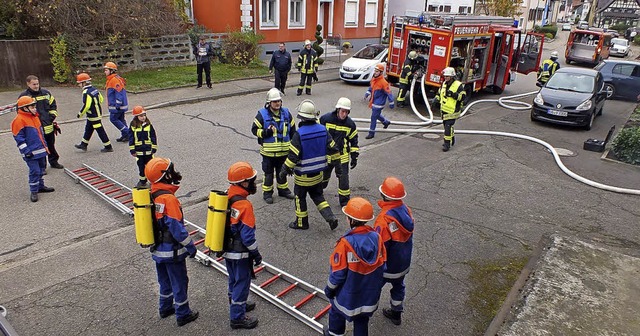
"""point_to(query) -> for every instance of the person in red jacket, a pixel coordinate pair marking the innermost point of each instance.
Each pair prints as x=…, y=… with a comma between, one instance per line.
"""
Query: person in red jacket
x=377, y=95
x=395, y=225
x=29, y=136
x=357, y=267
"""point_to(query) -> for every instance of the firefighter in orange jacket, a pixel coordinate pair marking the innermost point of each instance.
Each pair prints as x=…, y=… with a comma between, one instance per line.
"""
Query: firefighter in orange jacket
x=357, y=267
x=241, y=252
x=29, y=136
x=450, y=96
x=395, y=225
x=173, y=242
x=117, y=100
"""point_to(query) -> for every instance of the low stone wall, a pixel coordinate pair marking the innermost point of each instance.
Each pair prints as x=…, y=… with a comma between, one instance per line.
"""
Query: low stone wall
x=140, y=53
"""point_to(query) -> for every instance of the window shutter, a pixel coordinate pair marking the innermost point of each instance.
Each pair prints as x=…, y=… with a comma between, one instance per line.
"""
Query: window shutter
x=370, y=13
x=351, y=12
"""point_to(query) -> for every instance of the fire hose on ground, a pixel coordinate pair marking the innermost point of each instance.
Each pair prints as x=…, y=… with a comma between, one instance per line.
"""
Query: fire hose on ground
x=506, y=102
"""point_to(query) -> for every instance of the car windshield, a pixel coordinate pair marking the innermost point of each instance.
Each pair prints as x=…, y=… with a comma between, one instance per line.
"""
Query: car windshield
x=571, y=82
x=369, y=52
x=619, y=41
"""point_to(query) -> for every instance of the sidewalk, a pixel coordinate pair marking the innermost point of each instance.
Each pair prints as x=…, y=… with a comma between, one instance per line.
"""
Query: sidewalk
x=68, y=97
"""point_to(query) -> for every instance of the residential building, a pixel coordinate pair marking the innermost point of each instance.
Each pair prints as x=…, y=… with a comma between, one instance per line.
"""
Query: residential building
x=617, y=12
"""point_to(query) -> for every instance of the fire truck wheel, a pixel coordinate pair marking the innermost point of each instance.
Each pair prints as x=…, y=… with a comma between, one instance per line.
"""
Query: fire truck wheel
x=496, y=89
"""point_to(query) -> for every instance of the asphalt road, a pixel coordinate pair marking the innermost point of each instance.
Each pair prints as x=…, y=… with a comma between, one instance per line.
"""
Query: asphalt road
x=69, y=264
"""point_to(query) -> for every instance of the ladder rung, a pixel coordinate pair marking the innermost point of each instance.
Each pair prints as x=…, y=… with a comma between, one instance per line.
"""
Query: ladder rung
x=106, y=186
x=112, y=191
x=121, y=195
x=127, y=201
x=321, y=313
x=304, y=300
x=206, y=251
x=92, y=178
x=193, y=232
x=79, y=170
x=98, y=182
x=287, y=290
x=259, y=269
x=198, y=242
x=85, y=174
x=270, y=280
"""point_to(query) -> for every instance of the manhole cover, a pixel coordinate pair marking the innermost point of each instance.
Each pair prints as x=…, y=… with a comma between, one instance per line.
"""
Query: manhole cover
x=431, y=135
x=564, y=152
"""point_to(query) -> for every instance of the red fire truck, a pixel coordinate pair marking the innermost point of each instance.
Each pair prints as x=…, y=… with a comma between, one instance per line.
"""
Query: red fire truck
x=484, y=50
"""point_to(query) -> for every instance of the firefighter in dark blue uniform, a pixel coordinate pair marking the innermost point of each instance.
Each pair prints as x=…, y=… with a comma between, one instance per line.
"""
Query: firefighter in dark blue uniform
x=173, y=243
x=406, y=76
x=357, y=267
x=307, y=158
x=343, y=131
x=274, y=127
x=241, y=252
x=308, y=66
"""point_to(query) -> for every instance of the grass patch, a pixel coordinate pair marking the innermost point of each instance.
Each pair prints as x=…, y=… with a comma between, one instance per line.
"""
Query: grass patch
x=162, y=78
x=491, y=280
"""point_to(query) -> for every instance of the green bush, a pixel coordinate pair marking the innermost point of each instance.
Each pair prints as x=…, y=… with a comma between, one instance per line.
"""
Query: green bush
x=241, y=48
x=63, y=52
x=316, y=45
x=551, y=30
x=636, y=40
x=626, y=146
x=620, y=28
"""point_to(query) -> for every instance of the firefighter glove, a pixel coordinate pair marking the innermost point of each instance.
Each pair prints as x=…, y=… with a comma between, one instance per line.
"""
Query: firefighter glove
x=454, y=95
x=367, y=95
x=256, y=257
x=354, y=163
x=192, y=251
x=315, y=77
x=329, y=292
x=284, y=172
x=56, y=128
x=78, y=115
x=267, y=133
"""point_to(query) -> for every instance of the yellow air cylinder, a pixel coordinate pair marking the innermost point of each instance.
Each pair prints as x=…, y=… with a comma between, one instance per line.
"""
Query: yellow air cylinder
x=216, y=220
x=142, y=216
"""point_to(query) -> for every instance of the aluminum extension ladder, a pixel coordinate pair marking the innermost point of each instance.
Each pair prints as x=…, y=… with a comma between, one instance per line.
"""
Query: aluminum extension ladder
x=298, y=298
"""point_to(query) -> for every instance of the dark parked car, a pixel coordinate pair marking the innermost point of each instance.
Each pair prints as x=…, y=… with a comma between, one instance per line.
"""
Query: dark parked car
x=572, y=96
x=621, y=78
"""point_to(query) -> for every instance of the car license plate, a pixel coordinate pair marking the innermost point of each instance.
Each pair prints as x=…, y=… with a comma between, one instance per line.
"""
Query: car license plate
x=347, y=75
x=558, y=113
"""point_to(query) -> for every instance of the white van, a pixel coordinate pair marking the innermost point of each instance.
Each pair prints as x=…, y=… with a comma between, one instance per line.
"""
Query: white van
x=583, y=25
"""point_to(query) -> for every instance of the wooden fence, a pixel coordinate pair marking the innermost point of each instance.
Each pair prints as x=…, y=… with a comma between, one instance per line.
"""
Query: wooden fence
x=20, y=58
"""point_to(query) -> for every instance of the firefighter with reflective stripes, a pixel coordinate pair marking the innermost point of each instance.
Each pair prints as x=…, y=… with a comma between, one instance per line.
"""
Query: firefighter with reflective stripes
x=241, y=249
x=274, y=126
x=117, y=100
x=450, y=96
x=307, y=158
x=47, y=112
x=377, y=95
x=91, y=106
x=308, y=66
x=343, y=131
x=142, y=141
x=27, y=131
x=548, y=68
x=173, y=243
x=406, y=76
x=395, y=225
x=357, y=267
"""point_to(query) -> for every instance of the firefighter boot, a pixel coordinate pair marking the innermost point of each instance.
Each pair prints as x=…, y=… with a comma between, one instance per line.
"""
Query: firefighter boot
x=445, y=146
x=189, y=318
x=307, y=91
x=393, y=315
x=34, y=196
x=286, y=193
x=400, y=104
x=299, y=92
x=45, y=189
x=82, y=145
x=107, y=149
x=56, y=165
x=167, y=313
x=301, y=223
x=327, y=214
x=268, y=197
x=247, y=322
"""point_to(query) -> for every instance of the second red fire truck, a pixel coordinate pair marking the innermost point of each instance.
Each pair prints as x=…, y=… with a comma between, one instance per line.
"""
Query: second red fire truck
x=485, y=51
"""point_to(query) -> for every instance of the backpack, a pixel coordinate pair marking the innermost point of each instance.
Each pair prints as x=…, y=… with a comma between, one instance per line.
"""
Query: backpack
x=160, y=235
x=232, y=242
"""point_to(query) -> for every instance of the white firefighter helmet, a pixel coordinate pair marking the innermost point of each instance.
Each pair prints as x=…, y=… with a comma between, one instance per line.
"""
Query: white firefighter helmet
x=554, y=54
x=412, y=55
x=344, y=103
x=307, y=42
x=449, y=71
x=273, y=95
x=307, y=110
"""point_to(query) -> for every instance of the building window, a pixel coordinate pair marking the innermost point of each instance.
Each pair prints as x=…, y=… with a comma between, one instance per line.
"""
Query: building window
x=269, y=13
x=462, y=9
x=351, y=13
x=432, y=9
x=371, y=13
x=447, y=9
x=296, y=13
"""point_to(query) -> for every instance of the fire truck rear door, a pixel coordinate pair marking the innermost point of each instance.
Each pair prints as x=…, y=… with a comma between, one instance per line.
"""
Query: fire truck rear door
x=530, y=53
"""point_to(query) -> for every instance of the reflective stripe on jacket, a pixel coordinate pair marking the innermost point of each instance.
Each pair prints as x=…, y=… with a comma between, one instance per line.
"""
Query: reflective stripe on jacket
x=450, y=106
x=343, y=132
x=142, y=139
x=91, y=103
x=313, y=139
x=357, y=267
x=547, y=69
x=278, y=144
x=116, y=93
x=395, y=225
x=27, y=131
x=307, y=61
